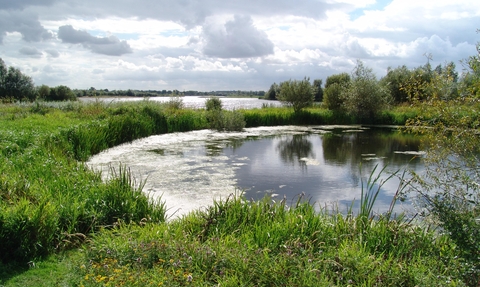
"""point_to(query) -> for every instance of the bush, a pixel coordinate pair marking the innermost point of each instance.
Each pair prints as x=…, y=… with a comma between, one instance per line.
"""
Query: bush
x=175, y=103
x=61, y=93
x=334, y=91
x=297, y=94
x=213, y=104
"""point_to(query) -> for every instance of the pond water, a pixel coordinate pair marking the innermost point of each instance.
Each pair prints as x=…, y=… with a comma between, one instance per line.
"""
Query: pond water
x=326, y=164
x=196, y=102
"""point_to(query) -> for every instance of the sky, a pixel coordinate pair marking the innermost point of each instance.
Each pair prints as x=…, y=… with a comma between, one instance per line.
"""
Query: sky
x=213, y=45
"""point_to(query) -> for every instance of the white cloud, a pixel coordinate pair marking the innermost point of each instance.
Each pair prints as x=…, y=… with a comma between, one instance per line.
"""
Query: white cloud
x=238, y=38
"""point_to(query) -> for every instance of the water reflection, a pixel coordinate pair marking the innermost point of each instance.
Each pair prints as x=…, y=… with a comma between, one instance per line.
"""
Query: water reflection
x=190, y=169
x=294, y=149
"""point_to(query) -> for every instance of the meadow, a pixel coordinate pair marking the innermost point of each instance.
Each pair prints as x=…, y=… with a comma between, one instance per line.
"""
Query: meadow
x=61, y=225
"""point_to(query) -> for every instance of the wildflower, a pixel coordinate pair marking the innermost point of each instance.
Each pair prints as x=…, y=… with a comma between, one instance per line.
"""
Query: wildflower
x=189, y=278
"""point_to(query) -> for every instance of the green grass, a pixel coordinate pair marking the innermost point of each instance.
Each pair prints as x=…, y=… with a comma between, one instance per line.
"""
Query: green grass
x=50, y=203
x=239, y=243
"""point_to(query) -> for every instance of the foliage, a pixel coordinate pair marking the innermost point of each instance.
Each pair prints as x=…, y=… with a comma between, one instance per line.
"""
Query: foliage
x=364, y=98
x=14, y=85
x=470, y=84
x=425, y=84
x=43, y=92
x=317, y=85
x=272, y=92
x=297, y=94
x=61, y=93
x=449, y=190
x=221, y=120
x=394, y=81
x=213, y=103
x=334, y=91
x=175, y=103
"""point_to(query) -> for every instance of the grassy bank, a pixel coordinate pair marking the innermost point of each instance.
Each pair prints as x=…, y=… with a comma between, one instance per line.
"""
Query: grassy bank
x=51, y=203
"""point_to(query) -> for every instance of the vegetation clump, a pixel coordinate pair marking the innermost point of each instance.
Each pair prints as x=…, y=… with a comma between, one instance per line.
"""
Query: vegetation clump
x=222, y=120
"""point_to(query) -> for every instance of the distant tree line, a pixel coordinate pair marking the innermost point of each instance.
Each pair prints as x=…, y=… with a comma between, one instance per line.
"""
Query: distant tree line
x=362, y=95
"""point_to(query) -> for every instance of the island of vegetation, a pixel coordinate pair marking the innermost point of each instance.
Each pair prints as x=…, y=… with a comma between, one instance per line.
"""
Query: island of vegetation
x=62, y=225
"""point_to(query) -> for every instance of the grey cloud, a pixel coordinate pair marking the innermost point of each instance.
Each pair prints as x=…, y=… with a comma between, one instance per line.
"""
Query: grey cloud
x=190, y=13
x=53, y=53
x=26, y=24
x=31, y=52
x=111, y=45
x=238, y=39
x=21, y=4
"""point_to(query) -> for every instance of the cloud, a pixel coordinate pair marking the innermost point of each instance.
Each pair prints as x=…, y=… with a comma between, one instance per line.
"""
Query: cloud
x=238, y=38
x=21, y=4
x=110, y=46
x=27, y=24
x=31, y=52
x=53, y=53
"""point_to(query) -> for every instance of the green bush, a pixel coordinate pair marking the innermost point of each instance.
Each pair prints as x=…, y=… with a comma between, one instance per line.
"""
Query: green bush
x=213, y=104
x=365, y=98
x=334, y=91
x=297, y=94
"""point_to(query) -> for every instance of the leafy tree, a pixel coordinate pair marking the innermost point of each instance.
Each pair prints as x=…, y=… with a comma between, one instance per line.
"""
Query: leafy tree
x=43, y=92
x=470, y=81
x=393, y=82
x=317, y=84
x=61, y=93
x=3, y=77
x=15, y=85
x=449, y=189
x=334, y=91
x=272, y=92
x=298, y=94
x=365, y=97
x=19, y=86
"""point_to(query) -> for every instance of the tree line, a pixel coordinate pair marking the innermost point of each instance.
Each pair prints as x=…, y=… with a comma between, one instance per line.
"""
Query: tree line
x=361, y=94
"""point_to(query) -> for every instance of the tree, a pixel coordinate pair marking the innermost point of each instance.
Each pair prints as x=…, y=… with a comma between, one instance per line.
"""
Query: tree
x=272, y=92
x=365, y=97
x=334, y=91
x=393, y=82
x=19, y=86
x=3, y=77
x=43, y=92
x=61, y=93
x=449, y=190
x=297, y=94
x=317, y=84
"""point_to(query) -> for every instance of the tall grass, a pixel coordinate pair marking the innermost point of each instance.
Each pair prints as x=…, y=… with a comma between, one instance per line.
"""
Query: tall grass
x=265, y=243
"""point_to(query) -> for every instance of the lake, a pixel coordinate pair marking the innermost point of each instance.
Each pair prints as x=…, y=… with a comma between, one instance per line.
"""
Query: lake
x=324, y=164
x=197, y=102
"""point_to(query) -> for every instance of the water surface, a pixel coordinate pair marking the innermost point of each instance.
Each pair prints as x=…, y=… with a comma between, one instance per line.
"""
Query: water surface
x=196, y=102
x=325, y=164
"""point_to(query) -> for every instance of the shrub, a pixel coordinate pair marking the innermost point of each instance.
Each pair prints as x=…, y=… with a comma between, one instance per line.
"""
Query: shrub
x=213, y=104
x=334, y=89
x=297, y=94
x=175, y=103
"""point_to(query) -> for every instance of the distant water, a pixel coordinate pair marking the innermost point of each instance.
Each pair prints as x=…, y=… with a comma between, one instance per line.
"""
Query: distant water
x=327, y=164
x=195, y=101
